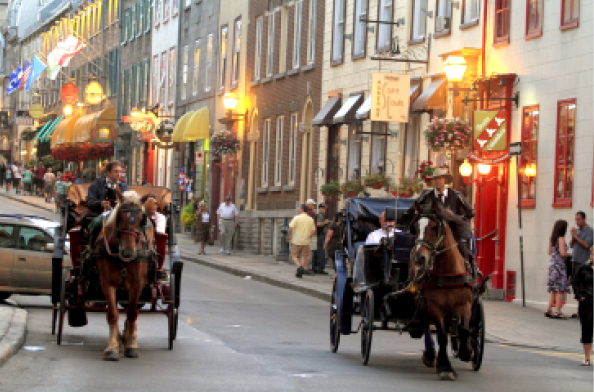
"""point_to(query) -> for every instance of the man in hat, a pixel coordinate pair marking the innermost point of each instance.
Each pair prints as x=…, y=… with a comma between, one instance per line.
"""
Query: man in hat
x=227, y=217
x=319, y=259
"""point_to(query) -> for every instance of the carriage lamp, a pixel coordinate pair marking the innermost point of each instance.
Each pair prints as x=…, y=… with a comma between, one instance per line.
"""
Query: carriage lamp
x=455, y=66
x=484, y=169
x=230, y=101
x=465, y=169
x=67, y=110
x=530, y=170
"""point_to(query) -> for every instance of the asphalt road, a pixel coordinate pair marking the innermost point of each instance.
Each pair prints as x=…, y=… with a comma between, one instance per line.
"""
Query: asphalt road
x=236, y=334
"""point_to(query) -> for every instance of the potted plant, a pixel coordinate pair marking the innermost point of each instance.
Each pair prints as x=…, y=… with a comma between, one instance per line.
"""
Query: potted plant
x=407, y=187
x=352, y=188
x=188, y=215
x=447, y=134
x=376, y=181
x=331, y=191
x=224, y=142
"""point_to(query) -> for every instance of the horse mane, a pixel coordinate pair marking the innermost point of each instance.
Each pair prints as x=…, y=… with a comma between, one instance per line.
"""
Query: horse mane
x=452, y=246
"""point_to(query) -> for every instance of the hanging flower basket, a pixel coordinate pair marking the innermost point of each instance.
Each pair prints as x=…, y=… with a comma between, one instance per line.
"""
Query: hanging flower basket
x=376, y=181
x=331, y=191
x=81, y=152
x=352, y=188
x=224, y=142
x=447, y=134
x=407, y=187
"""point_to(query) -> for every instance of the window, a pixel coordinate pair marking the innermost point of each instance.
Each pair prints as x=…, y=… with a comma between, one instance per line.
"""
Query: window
x=278, y=167
x=235, y=65
x=172, y=69
x=163, y=80
x=124, y=32
x=265, y=151
x=34, y=239
x=140, y=23
x=377, y=156
x=311, y=40
x=419, y=20
x=297, y=34
x=147, y=17
x=270, y=51
x=174, y=8
x=122, y=94
x=385, y=14
x=570, y=13
x=184, y=73
x=354, y=154
x=132, y=88
x=187, y=3
x=564, y=153
x=293, y=132
x=166, y=10
x=259, y=28
x=223, y=54
x=529, y=154
x=155, y=84
x=132, y=32
x=158, y=11
x=411, y=147
x=282, y=53
x=338, y=32
x=470, y=11
x=444, y=16
x=502, y=21
x=360, y=29
x=209, y=49
x=147, y=81
x=6, y=236
x=534, y=18
x=196, y=68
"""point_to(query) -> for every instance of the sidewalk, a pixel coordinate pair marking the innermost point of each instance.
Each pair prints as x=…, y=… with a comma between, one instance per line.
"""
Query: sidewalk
x=13, y=327
x=506, y=323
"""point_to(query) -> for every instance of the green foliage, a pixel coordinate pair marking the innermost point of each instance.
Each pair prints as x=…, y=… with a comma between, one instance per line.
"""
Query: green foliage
x=188, y=215
x=353, y=186
x=378, y=180
x=331, y=190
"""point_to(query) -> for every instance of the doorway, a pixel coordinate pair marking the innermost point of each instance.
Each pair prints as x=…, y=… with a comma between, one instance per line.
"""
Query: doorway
x=333, y=163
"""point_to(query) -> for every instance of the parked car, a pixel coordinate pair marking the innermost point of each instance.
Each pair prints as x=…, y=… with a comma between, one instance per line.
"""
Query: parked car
x=26, y=249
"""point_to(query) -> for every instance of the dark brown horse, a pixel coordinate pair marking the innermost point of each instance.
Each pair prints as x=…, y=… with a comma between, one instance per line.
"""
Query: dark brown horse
x=439, y=272
x=120, y=254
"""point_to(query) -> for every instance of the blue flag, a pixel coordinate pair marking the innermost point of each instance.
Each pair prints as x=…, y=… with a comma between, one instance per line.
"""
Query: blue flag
x=15, y=80
x=37, y=67
x=9, y=88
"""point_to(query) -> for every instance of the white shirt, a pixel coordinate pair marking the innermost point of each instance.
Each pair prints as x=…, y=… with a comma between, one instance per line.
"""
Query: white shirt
x=160, y=222
x=227, y=211
x=376, y=236
x=205, y=217
x=444, y=193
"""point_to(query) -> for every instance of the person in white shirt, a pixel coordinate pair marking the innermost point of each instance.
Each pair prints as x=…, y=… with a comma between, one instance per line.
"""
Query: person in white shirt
x=150, y=207
x=202, y=227
x=227, y=217
x=386, y=230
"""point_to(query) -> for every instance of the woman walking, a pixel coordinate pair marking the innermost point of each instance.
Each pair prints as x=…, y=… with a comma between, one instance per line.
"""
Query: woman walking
x=203, y=227
x=557, y=280
x=16, y=177
x=582, y=287
x=48, y=184
x=333, y=241
x=8, y=177
x=28, y=181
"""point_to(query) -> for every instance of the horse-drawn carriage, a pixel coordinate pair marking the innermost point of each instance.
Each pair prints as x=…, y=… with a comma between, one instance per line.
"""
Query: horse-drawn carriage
x=79, y=288
x=386, y=292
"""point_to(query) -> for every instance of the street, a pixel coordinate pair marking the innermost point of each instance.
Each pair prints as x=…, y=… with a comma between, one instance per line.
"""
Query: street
x=237, y=334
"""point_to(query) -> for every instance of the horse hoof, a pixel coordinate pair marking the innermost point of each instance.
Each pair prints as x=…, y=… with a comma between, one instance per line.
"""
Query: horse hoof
x=466, y=355
x=429, y=358
x=111, y=356
x=131, y=353
x=447, y=376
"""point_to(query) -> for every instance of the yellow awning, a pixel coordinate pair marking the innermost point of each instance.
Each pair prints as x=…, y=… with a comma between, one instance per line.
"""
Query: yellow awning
x=63, y=132
x=180, y=127
x=199, y=126
x=83, y=130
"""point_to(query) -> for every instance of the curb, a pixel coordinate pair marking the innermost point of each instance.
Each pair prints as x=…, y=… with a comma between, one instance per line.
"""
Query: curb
x=15, y=336
x=26, y=202
x=237, y=271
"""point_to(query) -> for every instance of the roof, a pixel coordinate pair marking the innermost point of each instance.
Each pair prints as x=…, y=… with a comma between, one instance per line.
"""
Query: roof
x=370, y=208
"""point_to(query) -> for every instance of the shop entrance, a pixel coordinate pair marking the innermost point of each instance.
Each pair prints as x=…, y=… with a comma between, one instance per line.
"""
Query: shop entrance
x=333, y=165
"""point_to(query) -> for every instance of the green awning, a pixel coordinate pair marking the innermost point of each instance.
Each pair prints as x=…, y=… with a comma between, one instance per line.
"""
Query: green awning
x=50, y=129
x=42, y=129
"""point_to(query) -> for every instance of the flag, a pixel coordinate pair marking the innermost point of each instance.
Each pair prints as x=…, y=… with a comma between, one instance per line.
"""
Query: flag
x=9, y=88
x=36, y=69
x=61, y=55
x=25, y=75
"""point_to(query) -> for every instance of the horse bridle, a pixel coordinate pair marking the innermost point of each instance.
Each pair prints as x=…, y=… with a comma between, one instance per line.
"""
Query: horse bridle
x=434, y=248
x=133, y=232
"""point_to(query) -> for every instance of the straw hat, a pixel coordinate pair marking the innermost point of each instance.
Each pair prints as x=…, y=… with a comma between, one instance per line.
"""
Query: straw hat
x=310, y=202
x=442, y=172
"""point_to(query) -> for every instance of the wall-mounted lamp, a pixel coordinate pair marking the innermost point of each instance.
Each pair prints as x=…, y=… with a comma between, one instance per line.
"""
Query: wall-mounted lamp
x=530, y=170
x=455, y=66
x=67, y=110
x=484, y=169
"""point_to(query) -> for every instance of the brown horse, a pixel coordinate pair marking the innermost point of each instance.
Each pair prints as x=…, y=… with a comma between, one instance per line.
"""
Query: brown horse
x=439, y=271
x=121, y=254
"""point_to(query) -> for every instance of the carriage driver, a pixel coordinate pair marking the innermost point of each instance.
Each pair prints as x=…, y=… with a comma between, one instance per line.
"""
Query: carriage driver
x=101, y=197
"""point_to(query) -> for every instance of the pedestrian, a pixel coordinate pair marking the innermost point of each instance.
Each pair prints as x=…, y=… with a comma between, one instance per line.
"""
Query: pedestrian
x=8, y=177
x=557, y=279
x=68, y=176
x=313, y=245
x=60, y=191
x=333, y=241
x=582, y=287
x=582, y=239
x=301, y=229
x=202, y=227
x=159, y=220
x=28, y=181
x=227, y=217
x=2, y=173
x=321, y=229
x=39, y=174
x=48, y=184
x=16, y=177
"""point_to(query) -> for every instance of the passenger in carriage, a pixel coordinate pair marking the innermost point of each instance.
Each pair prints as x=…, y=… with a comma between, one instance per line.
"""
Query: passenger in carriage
x=159, y=220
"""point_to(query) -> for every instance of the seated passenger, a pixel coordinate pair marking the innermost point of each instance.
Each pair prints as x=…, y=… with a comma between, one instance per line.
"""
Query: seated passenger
x=160, y=221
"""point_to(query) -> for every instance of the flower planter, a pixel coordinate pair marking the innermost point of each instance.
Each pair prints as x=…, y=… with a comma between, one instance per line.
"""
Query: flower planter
x=376, y=186
x=351, y=194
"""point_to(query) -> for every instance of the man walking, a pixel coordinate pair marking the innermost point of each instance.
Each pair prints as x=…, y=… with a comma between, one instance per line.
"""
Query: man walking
x=581, y=241
x=227, y=217
x=38, y=182
x=301, y=229
x=321, y=229
x=313, y=245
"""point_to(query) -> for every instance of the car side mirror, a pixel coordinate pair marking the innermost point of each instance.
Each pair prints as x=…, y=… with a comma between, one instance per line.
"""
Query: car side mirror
x=49, y=247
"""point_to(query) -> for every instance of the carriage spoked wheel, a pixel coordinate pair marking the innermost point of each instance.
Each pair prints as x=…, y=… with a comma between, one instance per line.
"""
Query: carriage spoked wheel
x=172, y=314
x=62, y=308
x=334, y=320
x=367, y=318
x=477, y=333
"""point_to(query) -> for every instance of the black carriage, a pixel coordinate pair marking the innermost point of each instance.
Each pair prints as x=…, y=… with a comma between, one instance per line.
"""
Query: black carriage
x=377, y=288
x=76, y=287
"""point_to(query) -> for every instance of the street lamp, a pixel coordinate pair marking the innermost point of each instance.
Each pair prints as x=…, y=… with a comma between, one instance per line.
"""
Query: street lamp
x=230, y=101
x=530, y=170
x=465, y=169
x=484, y=169
x=67, y=110
x=455, y=66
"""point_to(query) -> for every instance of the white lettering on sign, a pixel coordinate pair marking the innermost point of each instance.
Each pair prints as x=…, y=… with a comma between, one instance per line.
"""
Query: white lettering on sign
x=480, y=126
x=481, y=142
x=499, y=120
x=491, y=131
x=495, y=140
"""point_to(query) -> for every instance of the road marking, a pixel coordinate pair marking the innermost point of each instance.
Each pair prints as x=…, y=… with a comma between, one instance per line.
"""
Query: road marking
x=556, y=354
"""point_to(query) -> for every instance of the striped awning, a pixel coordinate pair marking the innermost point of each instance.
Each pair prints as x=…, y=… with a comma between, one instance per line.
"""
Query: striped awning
x=49, y=129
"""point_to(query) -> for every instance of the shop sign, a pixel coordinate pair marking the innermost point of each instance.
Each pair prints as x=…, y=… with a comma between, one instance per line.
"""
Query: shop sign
x=476, y=158
x=390, y=97
x=93, y=93
x=490, y=130
x=103, y=136
x=199, y=158
x=24, y=120
x=69, y=93
x=36, y=111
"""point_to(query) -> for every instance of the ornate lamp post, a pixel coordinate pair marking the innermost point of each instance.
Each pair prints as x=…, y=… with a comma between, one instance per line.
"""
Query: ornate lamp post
x=229, y=164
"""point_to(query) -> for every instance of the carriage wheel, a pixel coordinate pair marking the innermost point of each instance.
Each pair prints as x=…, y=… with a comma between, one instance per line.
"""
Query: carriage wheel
x=334, y=320
x=62, y=308
x=171, y=314
x=477, y=334
x=367, y=326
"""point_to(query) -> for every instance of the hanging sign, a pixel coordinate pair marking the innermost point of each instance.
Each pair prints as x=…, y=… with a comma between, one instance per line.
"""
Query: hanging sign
x=36, y=109
x=490, y=131
x=69, y=93
x=93, y=93
x=390, y=97
x=103, y=135
x=199, y=158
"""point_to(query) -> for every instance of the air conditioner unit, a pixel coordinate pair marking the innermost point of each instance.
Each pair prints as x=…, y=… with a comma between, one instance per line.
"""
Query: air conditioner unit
x=442, y=23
